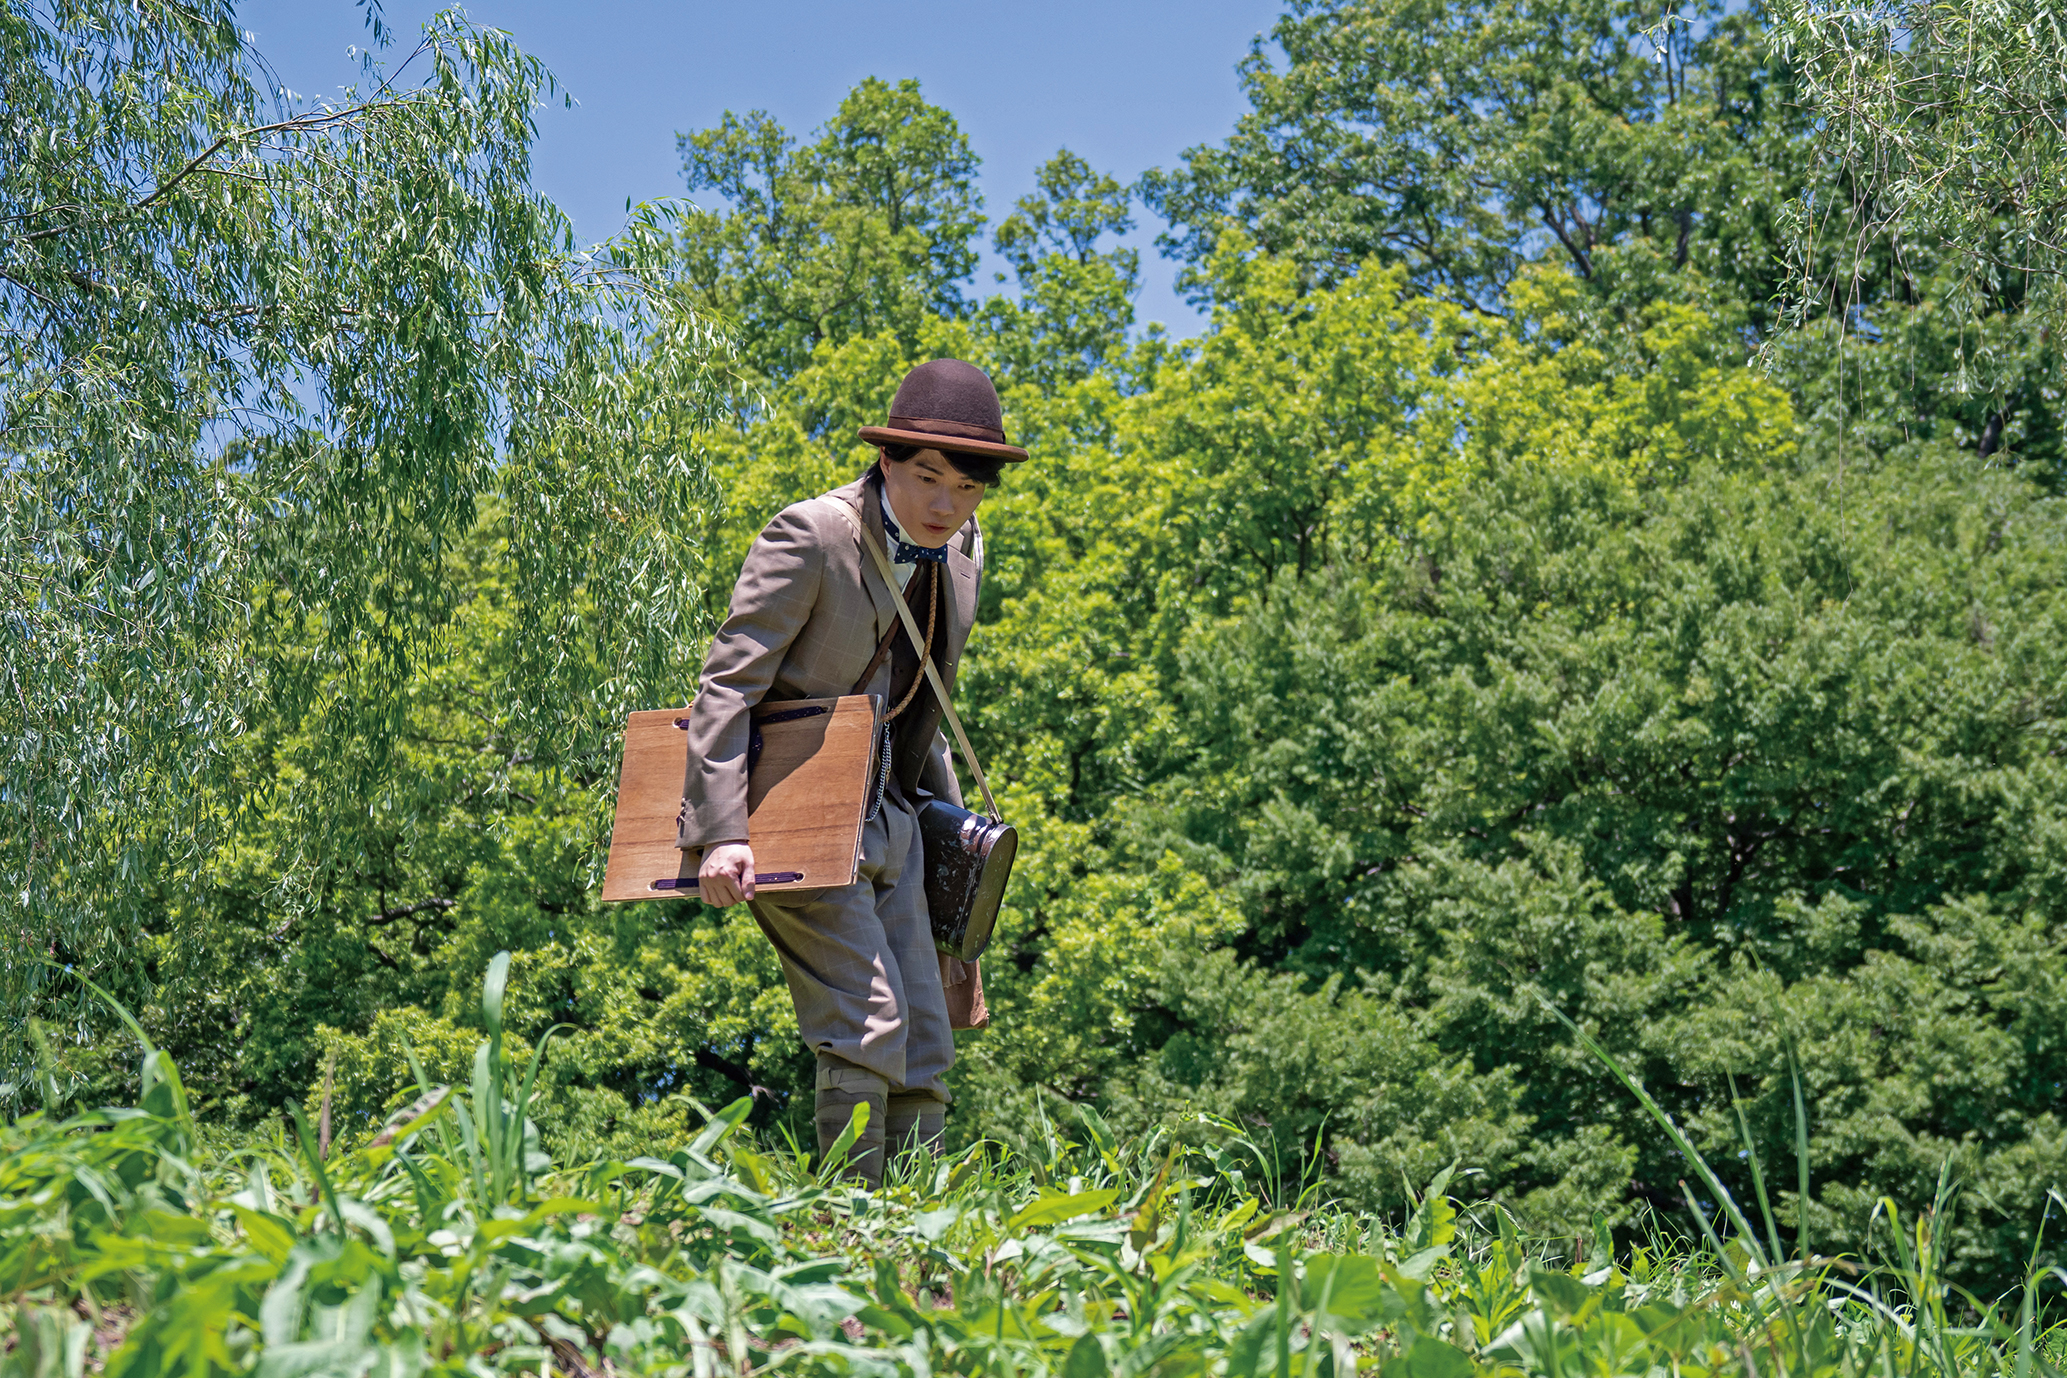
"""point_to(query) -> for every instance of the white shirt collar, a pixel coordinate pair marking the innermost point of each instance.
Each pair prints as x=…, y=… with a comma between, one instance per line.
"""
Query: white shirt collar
x=903, y=569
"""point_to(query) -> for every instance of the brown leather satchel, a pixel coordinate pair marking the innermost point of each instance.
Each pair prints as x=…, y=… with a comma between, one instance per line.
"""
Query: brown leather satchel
x=963, y=983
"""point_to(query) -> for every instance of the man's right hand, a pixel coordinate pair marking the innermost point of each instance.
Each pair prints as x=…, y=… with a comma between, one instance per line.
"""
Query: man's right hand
x=727, y=874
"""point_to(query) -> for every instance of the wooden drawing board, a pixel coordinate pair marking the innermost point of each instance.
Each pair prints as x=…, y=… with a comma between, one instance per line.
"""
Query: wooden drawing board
x=805, y=798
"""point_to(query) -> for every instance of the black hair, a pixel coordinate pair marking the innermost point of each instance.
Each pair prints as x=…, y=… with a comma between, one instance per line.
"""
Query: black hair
x=985, y=470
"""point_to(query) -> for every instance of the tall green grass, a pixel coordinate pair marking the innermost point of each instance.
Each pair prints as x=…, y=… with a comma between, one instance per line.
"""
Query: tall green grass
x=451, y=1242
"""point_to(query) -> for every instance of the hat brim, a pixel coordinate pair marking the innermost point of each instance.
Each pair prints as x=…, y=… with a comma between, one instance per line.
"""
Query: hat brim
x=926, y=440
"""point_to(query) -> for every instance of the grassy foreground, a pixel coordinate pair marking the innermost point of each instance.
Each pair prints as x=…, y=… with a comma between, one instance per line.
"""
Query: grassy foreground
x=451, y=1242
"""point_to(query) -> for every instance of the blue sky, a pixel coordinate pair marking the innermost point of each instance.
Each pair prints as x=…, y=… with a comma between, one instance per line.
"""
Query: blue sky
x=1128, y=84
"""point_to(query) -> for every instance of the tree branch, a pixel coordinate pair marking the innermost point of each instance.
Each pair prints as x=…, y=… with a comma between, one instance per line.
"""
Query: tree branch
x=10, y=277
x=388, y=916
x=165, y=188
x=725, y=1066
x=1579, y=255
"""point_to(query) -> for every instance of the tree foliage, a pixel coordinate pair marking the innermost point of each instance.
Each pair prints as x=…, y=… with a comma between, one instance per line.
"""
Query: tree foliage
x=865, y=230
x=1950, y=122
x=1805, y=171
x=1462, y=140
x=259, y=362
x=478, y=841
x=1075, y=301
x=1935, y=238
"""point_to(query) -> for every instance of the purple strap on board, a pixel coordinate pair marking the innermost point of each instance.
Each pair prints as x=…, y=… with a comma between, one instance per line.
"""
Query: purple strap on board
x=783, y=715
x=760, y=878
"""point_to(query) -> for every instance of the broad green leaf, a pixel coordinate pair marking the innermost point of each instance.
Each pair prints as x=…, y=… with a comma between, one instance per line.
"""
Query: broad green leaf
x=1351, y=1288
x=721, y=1125
x=561, y=1205
x=1086, y=1359
x=269, y=1234
x=1429, y=1357
x=836, y=1153
x=1434, y=1223
x=1051, y=1208
x=1562, y=1291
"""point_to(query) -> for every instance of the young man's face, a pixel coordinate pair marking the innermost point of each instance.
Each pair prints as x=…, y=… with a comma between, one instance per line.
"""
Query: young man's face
x=930, y=498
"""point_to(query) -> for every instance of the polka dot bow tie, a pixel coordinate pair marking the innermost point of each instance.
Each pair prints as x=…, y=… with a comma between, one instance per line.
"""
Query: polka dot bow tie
x=903, y=551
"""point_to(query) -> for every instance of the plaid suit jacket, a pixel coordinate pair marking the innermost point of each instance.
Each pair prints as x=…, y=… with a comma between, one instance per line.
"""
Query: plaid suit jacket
x=807, y=614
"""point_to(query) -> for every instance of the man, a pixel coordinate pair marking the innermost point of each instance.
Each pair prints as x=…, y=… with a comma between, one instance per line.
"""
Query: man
x=812, y=617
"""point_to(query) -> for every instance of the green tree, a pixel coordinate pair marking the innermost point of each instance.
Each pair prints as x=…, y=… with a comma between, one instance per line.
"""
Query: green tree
x=258, y=364
x=1949, y=119
x=1076, y=304
x=1940, y=141
x=1879, y=176
x=1387, y=662
x=1463, y=138
x=1712, y=767
x=1306, y=433
x=868, y=229
x=1475, y=667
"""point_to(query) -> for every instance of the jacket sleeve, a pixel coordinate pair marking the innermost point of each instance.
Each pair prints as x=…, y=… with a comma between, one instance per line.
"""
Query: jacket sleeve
x=777, y=588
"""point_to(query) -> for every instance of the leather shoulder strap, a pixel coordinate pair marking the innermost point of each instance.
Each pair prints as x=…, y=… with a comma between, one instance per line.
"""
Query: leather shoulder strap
x=882, y=649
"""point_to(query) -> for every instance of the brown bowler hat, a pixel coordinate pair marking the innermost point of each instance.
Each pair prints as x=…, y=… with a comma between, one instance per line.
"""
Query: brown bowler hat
x=947, y=405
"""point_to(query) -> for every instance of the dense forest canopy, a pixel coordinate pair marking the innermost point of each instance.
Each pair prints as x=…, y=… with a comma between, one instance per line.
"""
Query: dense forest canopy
x=1604, y=555
x=262, y=365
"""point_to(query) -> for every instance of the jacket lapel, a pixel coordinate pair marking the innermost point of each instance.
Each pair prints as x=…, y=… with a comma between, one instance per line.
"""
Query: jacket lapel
x=961, y=601
x=862, y=495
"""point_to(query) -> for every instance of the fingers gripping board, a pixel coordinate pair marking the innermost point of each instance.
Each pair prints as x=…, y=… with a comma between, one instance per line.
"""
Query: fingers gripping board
x=806, y=793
